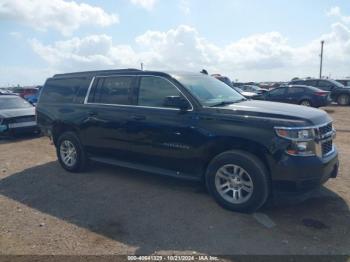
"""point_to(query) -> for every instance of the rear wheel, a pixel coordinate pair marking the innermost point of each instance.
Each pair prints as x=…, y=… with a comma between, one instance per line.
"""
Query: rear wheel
x=238, y=181
x=305, y=103
x=70, y=152
x=343, y=100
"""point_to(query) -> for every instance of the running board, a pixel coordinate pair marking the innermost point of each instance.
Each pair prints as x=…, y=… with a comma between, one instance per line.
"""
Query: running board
x=149, y=169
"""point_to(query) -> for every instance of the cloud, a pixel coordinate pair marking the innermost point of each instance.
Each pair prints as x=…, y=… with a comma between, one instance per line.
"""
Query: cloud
x=185, y=7
x=336, y=12
x=91, y=52
x=259, y=57
x=60, y=15
x=147, y=4
x=15, y=34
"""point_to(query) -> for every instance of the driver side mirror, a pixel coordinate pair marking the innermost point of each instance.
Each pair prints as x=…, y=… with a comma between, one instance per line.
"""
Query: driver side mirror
x=176, y=102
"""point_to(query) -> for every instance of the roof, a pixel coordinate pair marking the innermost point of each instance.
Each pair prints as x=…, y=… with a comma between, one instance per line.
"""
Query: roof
x=124, y=71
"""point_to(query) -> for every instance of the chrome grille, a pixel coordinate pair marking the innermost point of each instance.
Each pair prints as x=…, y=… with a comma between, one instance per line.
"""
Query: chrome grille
x=325, y=129
x=327, y=147
x=326, y=134
x=22, y=119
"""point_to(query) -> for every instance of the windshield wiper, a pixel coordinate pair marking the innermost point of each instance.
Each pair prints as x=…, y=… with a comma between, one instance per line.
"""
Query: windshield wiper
x=224, y=103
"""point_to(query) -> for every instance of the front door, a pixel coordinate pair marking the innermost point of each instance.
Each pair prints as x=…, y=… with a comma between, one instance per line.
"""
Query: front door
x=168, y=137
x=277, y=95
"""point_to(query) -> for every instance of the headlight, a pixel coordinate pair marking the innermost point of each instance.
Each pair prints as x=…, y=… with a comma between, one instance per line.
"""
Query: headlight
x=302, y=140
x=296, y=134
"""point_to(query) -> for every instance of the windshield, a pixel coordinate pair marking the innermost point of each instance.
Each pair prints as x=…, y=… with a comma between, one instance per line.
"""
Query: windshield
x=13, y=103
x=208, y=90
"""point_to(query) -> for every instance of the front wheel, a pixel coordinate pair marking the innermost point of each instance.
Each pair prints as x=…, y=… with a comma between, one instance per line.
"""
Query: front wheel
x=238, y=181
x=343, y=100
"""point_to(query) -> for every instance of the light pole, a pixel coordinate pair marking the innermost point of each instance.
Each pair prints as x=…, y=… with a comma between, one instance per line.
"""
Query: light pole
x=321, y=62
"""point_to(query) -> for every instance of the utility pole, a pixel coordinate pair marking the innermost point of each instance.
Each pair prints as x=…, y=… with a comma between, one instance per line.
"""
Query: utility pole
x=142, y=66
x=321, y=62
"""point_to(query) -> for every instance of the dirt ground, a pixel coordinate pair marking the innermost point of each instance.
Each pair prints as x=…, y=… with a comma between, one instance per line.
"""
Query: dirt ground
x=110, y=210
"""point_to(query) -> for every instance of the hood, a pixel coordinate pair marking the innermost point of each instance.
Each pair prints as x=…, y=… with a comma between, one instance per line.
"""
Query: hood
x=9, y=113
x=286, y=114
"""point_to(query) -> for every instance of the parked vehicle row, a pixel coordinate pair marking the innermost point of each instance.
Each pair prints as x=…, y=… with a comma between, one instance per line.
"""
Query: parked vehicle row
x=338, y=92
x=297, y=94
x=189, y=126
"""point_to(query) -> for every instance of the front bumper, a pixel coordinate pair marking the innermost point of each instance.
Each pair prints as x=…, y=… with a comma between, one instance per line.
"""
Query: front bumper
x=19, y=130
x=298, y=175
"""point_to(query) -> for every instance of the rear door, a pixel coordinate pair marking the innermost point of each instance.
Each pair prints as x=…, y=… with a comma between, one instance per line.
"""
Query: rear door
x=109, y=112
x=295, y=94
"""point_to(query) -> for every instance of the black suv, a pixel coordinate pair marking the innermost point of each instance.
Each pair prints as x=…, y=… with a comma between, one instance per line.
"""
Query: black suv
x=339, y=93
x=190, y=126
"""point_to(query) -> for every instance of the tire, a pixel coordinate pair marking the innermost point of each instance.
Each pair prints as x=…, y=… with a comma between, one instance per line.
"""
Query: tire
x=253, y=169
x=70, y=141
x=305, y=102
x=343, y=100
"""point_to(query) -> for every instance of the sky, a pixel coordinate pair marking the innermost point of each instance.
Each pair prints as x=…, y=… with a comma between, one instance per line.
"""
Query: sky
x=247, y=40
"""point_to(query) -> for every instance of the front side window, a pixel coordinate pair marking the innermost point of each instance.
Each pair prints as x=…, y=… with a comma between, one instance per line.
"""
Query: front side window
x=277, y=91
x=325, y=85
x=116, y=90
x=154, y=91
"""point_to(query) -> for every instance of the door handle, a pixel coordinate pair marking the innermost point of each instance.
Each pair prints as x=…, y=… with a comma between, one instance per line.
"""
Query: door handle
x=138, y=117
x=92, y=113
x=92, y=116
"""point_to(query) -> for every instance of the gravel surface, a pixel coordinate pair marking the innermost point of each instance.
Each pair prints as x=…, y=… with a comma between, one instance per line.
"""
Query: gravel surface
x=111, y=210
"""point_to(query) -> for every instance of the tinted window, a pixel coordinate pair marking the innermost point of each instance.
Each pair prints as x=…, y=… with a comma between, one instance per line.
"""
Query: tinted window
x=277, y=92
x=61, y=90
x=296, y=90
x=311, y=83
x=116, y=90
x=325, y=85
x=97, y=84
x=154, y=90
x=298, y=82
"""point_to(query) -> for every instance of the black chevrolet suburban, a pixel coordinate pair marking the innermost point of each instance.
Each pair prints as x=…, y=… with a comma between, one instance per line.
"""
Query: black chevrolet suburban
x=190, y=126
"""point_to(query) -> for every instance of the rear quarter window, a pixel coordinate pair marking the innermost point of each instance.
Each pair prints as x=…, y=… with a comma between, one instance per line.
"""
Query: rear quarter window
x=70, y=90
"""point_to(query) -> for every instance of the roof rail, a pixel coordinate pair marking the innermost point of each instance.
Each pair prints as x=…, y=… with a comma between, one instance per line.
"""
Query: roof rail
x=84, y=73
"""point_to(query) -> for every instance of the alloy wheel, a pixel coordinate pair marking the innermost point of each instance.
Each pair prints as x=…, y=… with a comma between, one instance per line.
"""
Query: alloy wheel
x=68, y=153
x=234, y=184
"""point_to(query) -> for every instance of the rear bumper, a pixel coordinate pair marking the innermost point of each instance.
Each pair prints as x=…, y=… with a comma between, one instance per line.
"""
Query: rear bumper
x=322, y=101
x=299, y=175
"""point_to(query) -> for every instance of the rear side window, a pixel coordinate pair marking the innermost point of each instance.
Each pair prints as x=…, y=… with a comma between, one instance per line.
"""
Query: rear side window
x=154, y=91
x=115, y=90
x=61, y=90
x=311, y=83
x=296, y=90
